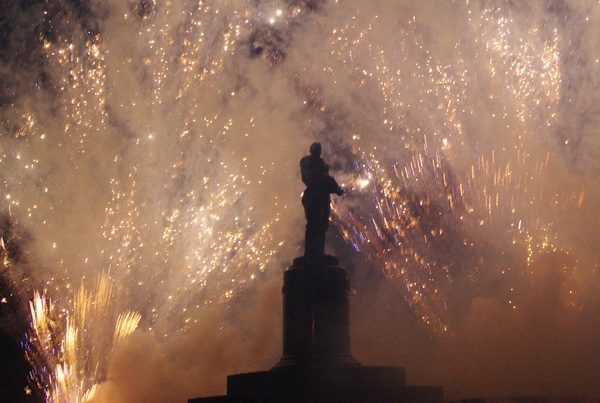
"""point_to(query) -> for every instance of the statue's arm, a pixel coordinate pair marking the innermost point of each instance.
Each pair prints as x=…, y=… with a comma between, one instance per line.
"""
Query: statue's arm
x=333, y=186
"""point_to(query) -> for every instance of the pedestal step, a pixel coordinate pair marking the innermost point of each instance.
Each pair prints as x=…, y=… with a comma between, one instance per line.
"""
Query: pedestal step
x=372, y=384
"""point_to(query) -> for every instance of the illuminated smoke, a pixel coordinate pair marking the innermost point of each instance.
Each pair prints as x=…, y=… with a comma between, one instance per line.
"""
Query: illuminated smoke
x=157, y=142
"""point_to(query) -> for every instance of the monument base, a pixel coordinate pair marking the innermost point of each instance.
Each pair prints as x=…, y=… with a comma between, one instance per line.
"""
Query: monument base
x=317, y=365
x=339, y=384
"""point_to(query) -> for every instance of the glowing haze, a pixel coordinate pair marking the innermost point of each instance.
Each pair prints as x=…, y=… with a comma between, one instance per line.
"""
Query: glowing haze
x=149, y=164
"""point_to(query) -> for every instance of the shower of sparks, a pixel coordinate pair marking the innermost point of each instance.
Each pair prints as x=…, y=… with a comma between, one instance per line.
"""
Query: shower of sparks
x=426, y=211
x=176, y=182
x=414, y=236
x=74, y=345
x=178, y=242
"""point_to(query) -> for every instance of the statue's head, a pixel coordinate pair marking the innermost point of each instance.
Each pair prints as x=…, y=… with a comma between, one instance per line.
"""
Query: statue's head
x=315, y=149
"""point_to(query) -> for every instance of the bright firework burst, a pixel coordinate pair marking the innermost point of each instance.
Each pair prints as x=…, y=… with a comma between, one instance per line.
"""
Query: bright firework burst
x=77, y=344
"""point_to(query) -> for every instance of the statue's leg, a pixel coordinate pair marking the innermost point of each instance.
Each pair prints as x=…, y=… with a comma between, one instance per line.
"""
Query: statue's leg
x=313, y=224
x=320, y=243
x=310, y=242
x=323, y=225
x=325, y=212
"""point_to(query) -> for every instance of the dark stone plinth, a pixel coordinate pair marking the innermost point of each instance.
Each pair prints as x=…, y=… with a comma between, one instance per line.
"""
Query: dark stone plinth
x=325, y=384
x=343, y=384
x=316, y=314
x=317, y=365
x=315, y=379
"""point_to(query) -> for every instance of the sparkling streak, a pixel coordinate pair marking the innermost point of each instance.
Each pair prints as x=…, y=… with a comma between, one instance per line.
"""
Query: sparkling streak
x=77, y=343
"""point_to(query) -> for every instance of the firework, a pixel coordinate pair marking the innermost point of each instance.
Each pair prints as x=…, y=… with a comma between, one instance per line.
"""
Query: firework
x=74, y=345
x=157, y=143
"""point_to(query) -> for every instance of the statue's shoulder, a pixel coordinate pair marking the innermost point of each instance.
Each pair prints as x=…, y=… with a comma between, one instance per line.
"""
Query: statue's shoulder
x=314, y=170
x=309, y=163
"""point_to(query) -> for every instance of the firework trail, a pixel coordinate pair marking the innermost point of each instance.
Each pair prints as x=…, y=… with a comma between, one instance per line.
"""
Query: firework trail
x=78, y=343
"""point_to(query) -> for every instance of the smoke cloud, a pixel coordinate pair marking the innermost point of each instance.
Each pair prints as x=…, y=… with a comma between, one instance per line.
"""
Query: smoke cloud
x=158, y=142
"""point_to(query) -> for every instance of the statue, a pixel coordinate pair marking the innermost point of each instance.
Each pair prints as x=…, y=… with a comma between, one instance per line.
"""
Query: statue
x=319, y=184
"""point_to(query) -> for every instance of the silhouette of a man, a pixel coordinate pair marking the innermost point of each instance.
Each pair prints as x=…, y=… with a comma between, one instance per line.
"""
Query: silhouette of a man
x=319, y=184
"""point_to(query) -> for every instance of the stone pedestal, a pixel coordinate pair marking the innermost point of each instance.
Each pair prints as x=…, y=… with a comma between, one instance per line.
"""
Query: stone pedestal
x=316, y=314
x=317, y=365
